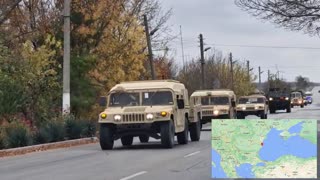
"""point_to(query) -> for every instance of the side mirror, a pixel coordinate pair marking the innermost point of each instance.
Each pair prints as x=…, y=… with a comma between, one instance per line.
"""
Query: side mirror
x=103, y=101
x=233, y=103
x=180, y=103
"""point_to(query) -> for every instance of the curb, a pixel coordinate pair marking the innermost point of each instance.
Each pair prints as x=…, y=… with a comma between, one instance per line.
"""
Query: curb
x=48, y=146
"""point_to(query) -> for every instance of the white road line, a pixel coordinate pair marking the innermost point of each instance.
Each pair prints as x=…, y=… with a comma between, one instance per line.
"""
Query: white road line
x=134, y=175
x=191, y=154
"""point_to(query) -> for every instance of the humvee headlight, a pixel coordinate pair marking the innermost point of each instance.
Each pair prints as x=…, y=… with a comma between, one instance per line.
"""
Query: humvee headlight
x=149, y=116
x=287, y=98
x=117, y=117
x=270, y=99
x=243, y=108
x=103, y=115
x=256, y=108
x=300, y=102
x=163, y=114
x=216, y=112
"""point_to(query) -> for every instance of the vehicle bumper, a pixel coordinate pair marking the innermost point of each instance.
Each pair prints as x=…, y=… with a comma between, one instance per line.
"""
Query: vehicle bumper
x=279, y=105
x=247, y=113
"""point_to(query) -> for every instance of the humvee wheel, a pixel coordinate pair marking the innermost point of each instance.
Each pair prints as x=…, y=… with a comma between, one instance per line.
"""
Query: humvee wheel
x=302, y=106
x=127, y=140
x=272, y=111
x=240, y=116
x=106, y=136
x=183, y=136
x=167, y=134
x=144, y=138
x=289, y=109
x=263, y=115
x=195, y=131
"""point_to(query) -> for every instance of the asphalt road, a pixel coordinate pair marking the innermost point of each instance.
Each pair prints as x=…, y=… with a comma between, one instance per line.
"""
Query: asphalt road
x=141, y=161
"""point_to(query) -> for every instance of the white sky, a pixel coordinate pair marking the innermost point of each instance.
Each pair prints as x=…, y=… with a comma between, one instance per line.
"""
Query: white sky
x=222, y=22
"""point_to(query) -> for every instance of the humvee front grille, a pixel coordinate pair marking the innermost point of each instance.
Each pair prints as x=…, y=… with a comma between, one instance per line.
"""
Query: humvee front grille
x=133, y=117
x=207, y=112
x=250, y=108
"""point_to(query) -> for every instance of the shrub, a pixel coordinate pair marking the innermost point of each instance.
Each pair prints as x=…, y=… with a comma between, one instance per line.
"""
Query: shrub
x=90, y=128
x=51, y=131
x=74, y=128
x=2, y=144
x=17, y=135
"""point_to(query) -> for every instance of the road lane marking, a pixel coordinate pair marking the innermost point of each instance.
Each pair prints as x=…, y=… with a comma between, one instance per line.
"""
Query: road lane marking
x=191, y=154
x=134, y=175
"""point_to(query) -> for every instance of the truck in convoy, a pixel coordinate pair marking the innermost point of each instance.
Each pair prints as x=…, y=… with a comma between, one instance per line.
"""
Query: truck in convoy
x=308, y=96
x=279, y=99
x=297, y=99
x=152, y=108
x=255, y=104
x=215, y=104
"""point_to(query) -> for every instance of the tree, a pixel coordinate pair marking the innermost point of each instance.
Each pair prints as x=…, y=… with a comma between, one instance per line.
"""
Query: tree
x=217, y=75
x=296, y=15
x=302, y=83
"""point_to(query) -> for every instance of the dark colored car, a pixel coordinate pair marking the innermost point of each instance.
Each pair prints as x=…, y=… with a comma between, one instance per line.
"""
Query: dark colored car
x=279, y=100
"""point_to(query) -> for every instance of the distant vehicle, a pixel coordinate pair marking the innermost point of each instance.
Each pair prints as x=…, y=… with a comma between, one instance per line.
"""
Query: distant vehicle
x=216, y=104
x=297, y=99
x=279, y=99
x=252, y=105
x=157, y=109
x=308, y=96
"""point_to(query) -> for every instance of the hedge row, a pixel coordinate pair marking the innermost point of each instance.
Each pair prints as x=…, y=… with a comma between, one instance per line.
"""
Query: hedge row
x=17, y=134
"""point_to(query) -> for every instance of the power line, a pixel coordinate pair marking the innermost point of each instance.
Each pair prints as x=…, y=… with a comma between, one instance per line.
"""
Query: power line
x=273, y=47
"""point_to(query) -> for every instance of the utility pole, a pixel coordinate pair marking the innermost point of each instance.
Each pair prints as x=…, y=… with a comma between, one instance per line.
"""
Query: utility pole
x=202, y=62
x=153, y=74
x=183, y=63
x=249, y=69
x=268, y=75
x=66, y=59
x=231, y=71
x=260, y=77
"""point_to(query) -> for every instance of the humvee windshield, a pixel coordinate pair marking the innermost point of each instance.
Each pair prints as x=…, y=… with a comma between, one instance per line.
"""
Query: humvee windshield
x=296, y=95
x=157, y=98
x=251, y=100
x=215, y=100
x=124, y=99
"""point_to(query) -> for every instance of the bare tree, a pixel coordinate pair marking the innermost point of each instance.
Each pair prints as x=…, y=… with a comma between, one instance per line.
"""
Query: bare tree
x=295, y=15
x=6, y=6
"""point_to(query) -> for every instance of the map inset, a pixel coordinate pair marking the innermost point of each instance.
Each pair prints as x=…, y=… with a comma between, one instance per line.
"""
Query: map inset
x=264, y=148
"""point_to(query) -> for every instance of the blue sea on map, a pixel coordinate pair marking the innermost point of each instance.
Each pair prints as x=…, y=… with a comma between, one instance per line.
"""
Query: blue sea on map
x=217, y=171
x=275, y=146
x=245, y=171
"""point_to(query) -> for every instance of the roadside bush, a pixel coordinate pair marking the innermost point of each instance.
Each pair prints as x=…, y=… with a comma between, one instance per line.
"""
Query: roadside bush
x=17, y=135
x=74, y=128
x=51, y=131
x=2, y=145
x=90, y=128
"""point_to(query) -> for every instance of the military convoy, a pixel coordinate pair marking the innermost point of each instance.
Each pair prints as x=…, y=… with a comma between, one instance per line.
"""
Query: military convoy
x=161, y=109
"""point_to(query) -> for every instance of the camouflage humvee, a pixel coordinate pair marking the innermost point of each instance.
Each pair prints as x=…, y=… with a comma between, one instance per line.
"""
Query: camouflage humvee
x=215, y=104
x=155, y=108
x=252, y=105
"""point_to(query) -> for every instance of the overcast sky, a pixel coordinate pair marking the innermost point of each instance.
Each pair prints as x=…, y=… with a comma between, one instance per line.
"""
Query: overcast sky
x=222, y=23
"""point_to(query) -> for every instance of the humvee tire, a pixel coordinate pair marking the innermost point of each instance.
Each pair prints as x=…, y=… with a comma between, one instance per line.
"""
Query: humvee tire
x=263, y=115
x=183, y=136
x=167, y=134
x=292, y=106
x=195, y=131
x=106, y=136
x=127, y=140
x=302, y=106
x=240, y=116
x=289, y=109
x=272, y=111
x=144, y=138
